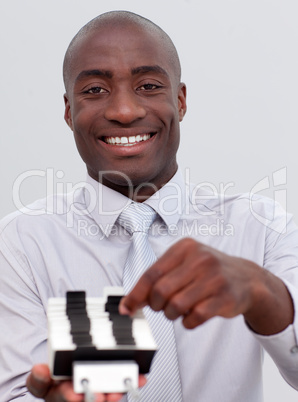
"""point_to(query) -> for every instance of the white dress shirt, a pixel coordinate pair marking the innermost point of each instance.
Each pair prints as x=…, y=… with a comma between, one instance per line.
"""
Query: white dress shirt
x=73, y=242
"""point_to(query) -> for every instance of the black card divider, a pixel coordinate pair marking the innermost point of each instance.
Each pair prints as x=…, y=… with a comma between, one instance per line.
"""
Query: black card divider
x=76, y=311
x=122, y=324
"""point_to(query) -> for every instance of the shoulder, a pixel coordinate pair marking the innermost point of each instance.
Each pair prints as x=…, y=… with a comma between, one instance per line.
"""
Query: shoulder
x=244, y=209
x=42, y=215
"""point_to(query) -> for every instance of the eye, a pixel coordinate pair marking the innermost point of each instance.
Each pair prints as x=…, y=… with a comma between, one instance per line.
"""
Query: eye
x=148, y=87
x=95, y=90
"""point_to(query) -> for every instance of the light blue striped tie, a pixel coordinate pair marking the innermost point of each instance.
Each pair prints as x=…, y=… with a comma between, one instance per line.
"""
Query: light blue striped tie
x=164, y=383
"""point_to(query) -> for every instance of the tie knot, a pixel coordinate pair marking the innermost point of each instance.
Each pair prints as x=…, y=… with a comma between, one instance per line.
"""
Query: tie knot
x=137, y=217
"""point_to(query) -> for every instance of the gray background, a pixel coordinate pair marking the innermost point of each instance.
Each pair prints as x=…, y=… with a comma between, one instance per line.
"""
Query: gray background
x=240, y=64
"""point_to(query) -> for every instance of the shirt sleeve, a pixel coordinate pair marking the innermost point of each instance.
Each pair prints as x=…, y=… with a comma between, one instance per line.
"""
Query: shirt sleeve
x=23, y=324
x=281, y=258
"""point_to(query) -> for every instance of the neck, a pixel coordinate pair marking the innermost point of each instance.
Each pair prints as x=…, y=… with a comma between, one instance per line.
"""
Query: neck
x=138, y=191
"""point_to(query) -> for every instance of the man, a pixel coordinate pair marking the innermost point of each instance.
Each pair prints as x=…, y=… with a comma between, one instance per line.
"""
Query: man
x=230, y=295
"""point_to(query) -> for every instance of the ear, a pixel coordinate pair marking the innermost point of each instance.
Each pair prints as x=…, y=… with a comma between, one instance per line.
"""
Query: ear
x=67, y=112
x=182, y=100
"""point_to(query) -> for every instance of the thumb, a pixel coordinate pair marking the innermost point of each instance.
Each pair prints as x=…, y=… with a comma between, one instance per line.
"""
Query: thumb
x=39, y=380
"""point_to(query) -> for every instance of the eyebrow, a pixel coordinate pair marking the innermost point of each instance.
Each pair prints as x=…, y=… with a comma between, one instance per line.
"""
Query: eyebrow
x=108, y=74
x=149, y=69
x=93, y=73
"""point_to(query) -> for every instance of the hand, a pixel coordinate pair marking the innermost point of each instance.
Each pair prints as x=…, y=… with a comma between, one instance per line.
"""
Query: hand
x=197, y=282
x=40, y=384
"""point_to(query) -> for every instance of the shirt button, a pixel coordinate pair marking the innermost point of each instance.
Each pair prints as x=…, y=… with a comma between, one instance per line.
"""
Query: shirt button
x=294, y=349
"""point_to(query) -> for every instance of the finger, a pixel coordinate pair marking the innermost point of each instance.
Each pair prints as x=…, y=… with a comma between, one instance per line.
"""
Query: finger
x=181, y=278
x=209, y=308
x=201, y=283
x=140, y=294
x=142, y=380
x=117, y=397
x=40, y=384
x=198, y=264
x=200, y=313
x=112, y=397
x=63, y=392
x=39, y=380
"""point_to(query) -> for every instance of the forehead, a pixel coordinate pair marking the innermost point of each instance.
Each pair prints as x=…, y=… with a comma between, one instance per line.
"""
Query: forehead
x=119, y=48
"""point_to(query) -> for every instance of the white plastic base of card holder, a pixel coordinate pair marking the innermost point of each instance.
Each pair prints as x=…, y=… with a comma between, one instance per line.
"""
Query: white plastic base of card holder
x=105, y=376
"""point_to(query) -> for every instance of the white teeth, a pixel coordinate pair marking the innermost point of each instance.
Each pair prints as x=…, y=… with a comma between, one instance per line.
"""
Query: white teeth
x=126, y=140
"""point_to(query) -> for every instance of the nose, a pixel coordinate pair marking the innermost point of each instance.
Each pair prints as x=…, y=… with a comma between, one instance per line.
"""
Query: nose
x=124, y=107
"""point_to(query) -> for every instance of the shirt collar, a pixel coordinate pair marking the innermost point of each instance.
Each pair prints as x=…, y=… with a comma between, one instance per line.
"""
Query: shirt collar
x=169, y=201
x=105, y=204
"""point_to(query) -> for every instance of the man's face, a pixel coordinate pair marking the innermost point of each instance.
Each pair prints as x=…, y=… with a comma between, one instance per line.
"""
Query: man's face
x=124, y=104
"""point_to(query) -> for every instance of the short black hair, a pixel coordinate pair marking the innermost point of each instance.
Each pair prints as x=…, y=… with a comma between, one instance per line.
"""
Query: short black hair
x=122, y=17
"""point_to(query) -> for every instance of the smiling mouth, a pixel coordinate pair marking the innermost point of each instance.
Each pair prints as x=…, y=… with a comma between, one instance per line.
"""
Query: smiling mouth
x=127, y=141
